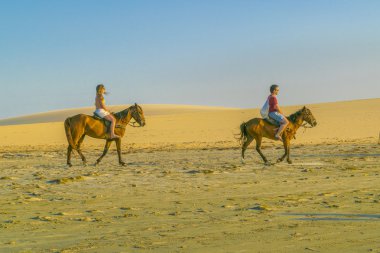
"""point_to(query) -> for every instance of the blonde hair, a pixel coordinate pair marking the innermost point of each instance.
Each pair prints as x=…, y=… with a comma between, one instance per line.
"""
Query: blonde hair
x=99, y=87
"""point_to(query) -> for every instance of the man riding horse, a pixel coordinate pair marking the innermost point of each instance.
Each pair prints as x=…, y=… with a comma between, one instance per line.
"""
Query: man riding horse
x=257, y=128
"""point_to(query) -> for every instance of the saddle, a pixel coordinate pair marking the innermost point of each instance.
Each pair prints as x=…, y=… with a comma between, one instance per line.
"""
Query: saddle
x=104, y=121
x=272, y=121
x=275, y=123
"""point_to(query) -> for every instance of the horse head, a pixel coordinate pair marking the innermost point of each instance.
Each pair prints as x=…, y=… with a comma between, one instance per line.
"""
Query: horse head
x=308, y=116
x=138, y=114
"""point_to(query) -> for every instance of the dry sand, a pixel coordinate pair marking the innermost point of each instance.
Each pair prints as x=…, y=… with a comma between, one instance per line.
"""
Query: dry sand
x=185, y=190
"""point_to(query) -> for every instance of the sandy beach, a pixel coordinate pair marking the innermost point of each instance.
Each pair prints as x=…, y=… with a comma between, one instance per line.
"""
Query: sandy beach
x=184, y=188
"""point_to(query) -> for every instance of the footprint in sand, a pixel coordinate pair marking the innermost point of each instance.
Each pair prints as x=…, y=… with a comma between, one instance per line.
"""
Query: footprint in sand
x=66, y=180
x=7, y=178
x=45, y=218
x=87, y=219
x=33, y=199
x=260, y=207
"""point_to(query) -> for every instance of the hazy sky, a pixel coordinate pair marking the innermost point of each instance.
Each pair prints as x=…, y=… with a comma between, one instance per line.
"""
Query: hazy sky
x=204, y=52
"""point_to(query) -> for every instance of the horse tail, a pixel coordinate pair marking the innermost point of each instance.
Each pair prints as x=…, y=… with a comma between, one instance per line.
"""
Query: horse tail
x=243, y=133
x=68, y=134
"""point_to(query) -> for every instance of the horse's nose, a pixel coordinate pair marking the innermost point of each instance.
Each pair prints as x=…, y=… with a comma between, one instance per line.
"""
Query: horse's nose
x=315, y=123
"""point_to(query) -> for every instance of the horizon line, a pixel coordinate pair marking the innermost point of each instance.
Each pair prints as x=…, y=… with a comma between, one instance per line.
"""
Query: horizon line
x=190, y=105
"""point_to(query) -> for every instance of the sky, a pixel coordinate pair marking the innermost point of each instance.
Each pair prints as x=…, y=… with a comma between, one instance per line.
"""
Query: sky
x=197, y=52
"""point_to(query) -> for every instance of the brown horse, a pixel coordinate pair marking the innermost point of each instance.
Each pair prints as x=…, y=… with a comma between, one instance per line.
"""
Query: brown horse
x=257, y=128
x=80, y=125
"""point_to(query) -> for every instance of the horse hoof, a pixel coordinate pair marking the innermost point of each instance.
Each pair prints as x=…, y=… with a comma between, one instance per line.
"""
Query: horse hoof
x=290, y=162
x=122, y=164
x=69, y=165
x=268, y=164
x=242, y=161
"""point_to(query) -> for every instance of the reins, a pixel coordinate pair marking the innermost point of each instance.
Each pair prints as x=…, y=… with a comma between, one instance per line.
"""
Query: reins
x=133, y=124
x=124, y=126
x=305, y=126
x=120, y=126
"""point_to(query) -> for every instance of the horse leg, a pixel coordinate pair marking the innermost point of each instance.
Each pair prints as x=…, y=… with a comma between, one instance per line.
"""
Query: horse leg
x=288, y=152
x=106, y=147
x=286, y=144
x=80, y=151
x=75, y=142
x=118, y=146
x=69, y=150
x=258, y=149
x=245, y=146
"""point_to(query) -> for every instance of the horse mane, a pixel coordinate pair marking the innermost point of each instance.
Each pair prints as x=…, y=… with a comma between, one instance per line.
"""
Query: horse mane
x=121, y=114
x=293, y=117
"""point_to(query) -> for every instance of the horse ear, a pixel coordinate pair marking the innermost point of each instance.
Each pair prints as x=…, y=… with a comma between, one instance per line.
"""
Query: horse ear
x=136, y=104
x=304, y=108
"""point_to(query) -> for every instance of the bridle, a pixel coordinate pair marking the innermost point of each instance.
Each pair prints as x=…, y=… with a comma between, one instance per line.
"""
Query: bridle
x=134, y=113
x=133, y=124
x=124, y=122
x=306, y=117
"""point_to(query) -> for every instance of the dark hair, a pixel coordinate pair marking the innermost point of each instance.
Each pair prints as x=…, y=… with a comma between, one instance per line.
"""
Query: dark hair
x=98, y=87
x=273, y=87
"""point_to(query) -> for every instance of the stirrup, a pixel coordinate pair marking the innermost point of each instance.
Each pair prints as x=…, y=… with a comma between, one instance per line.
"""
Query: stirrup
x=278, y=137
x=114, y=138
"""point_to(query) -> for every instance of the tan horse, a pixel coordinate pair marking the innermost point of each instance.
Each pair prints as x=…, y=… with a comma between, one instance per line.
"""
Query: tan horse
x=257, y=128
x=80, y=125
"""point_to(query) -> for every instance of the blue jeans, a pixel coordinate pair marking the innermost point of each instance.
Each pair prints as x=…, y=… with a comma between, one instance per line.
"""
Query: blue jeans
x=276, y=116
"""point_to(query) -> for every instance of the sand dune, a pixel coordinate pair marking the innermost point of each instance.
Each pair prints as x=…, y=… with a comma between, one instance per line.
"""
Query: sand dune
x=61, y=115
x=339, y=121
